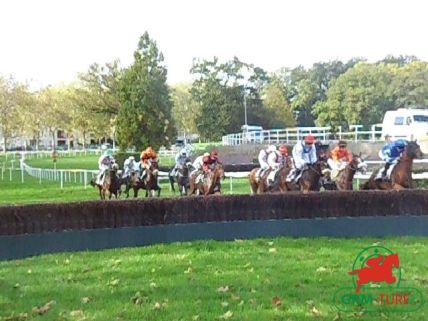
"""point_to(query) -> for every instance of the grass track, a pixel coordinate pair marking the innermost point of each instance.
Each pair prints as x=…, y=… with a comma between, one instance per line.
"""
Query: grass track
x=201, y=281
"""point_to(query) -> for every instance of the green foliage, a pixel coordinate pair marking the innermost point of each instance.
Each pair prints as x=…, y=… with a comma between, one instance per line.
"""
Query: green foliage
x=144, y=117
x=14, y=98
x=410, y=85
x=359, y=96
x=185, y=109
x=278, y=105
x=220, y=89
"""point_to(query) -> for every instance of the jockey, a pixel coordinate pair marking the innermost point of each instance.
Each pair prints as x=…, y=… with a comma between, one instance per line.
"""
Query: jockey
x=304, y=153
x=339, y=157
x=105, y=162
x=263, y=159
x=390, y=153
x=180, y=160
x=128, y=166
x=200, y=165
x=148, y=155
x=213, y=159
x=277, y=160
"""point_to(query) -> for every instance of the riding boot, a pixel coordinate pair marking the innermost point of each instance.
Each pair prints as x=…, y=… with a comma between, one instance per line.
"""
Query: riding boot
x=385, y=171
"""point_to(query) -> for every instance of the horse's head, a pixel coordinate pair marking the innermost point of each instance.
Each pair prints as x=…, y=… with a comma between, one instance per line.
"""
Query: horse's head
x=220, y=170
x=358, y=163
x=413, y=150
x=115, y=167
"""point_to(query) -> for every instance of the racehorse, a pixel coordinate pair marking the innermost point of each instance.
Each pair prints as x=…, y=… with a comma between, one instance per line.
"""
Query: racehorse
x=308, y=181
x=401, y=174
x=344, y=178
x=211, y=182
x=181, y=178
x=111, y=183
x=149, y=183
x=134, y=182
x=259, y=185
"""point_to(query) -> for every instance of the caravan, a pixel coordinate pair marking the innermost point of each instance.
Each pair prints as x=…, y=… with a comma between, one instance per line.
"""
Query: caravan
x=410, y=124
x=252, y=134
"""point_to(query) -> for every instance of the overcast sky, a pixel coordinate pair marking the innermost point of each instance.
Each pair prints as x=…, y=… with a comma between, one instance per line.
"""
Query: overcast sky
x=50, y=41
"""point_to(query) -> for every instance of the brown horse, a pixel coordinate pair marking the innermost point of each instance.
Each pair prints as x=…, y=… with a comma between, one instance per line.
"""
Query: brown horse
x=111, y=183
x=401, y=175
x=181, y=178
x=259, y=185
x=346, y=175
x=134, y=182
x=149, y=183
x=308, y=181
x=210, y=184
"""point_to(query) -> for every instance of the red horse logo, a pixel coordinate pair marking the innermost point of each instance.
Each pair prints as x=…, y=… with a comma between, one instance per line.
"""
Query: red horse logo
x=379, y=269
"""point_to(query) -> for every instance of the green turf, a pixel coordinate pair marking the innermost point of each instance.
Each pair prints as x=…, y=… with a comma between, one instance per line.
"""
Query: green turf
x=264, y=279
x=31, y=191
x=89, y=162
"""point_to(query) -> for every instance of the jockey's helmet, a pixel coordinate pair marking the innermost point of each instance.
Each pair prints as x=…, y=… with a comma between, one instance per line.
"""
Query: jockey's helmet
x=205, y=157
x=131, y=158
x=283, y=149
x=342, y=143
x=400, y=143
x=271, y=148
x=310, y=139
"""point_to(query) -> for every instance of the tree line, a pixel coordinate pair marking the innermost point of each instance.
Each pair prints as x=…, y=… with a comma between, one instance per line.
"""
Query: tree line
x=136, y=105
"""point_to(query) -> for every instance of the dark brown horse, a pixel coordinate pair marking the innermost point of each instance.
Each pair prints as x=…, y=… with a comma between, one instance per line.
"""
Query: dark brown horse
x=211, y=182
x=259, y=185
x=401, y=175
x=111, y=183
x=308, y=181
x=149, y=183
x=181, y=178
x=345, y=177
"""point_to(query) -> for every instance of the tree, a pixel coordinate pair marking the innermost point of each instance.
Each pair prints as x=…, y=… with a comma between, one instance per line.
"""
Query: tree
x=277, y=103
x=359, y=96
x=221, y=90
x=13, y=98
x=410, y=86
x=103, y=83
x=144, y=116
x=185, y=109
x=55, y=112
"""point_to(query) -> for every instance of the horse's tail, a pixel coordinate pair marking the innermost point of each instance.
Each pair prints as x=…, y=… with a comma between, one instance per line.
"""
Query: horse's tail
x=92, y=182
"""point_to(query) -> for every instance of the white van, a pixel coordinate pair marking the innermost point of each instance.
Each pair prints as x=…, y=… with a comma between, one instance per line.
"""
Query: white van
x=404, y=123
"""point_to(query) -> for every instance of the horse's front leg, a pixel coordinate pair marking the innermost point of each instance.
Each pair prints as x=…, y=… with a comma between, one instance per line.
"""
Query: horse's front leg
x=135, y=192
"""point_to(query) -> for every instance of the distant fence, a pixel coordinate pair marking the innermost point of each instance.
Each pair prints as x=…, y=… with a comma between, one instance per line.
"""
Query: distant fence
x=276, y=136
x=84, y=176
